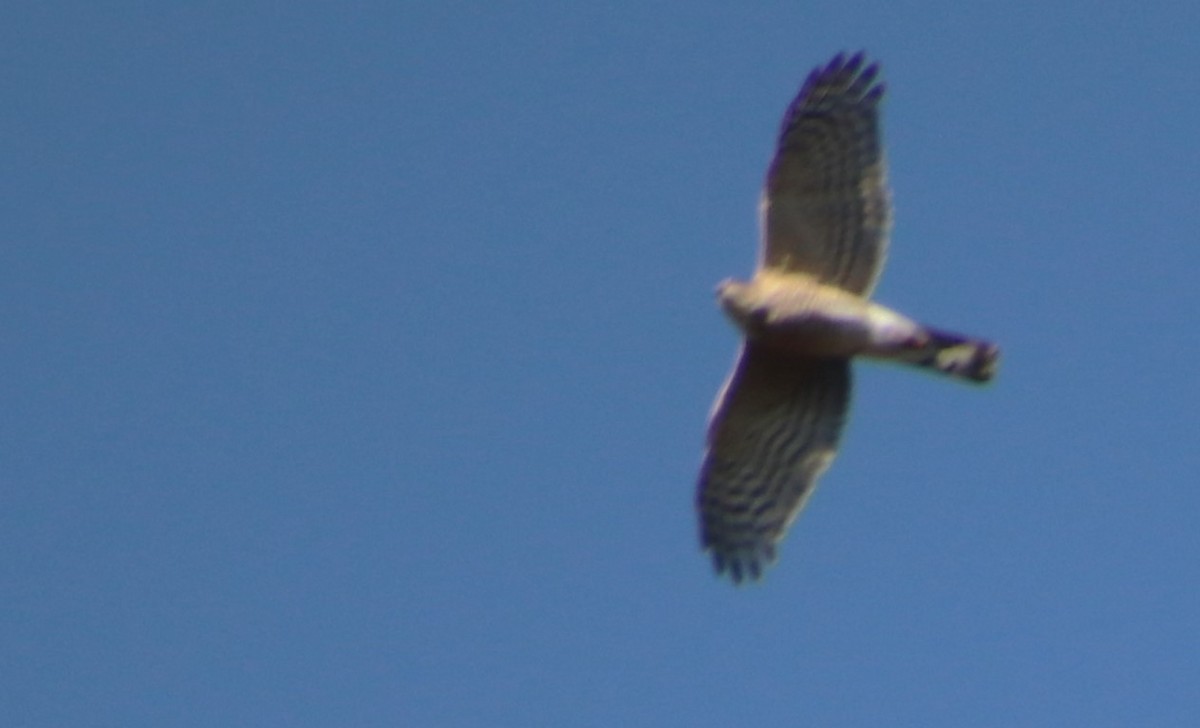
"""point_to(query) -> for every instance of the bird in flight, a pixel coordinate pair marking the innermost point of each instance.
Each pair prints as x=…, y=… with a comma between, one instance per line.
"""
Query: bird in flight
x=825, y=216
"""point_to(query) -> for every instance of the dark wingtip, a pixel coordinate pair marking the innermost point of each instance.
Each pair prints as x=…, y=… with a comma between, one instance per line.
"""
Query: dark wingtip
x=740, y=564
x=841, y=78
x=855, y=61
x=844, y=73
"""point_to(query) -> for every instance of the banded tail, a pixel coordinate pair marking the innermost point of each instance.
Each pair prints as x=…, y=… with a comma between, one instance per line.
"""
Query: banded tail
x=953, y=354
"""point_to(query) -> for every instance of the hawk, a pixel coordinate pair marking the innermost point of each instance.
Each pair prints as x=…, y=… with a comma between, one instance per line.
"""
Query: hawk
x=825, y=216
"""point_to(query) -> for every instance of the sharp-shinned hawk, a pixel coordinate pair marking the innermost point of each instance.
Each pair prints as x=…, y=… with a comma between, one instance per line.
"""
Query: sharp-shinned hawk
x=825, y=217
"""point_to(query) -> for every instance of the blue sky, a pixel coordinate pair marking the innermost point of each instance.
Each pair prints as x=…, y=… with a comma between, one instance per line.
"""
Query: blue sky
x=356, y=362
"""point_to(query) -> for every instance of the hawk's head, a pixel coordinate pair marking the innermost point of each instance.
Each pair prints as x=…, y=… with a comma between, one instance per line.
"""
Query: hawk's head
x=743, y=304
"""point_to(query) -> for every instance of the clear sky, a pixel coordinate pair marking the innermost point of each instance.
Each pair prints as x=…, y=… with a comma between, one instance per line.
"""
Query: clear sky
x=356, y=361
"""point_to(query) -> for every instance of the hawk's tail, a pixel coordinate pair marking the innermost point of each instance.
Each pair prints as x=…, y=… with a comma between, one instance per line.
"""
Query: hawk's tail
x=955, y=355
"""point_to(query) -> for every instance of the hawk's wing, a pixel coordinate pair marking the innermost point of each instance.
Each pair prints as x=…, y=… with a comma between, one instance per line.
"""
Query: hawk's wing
x=826, y=208
x=774, y=430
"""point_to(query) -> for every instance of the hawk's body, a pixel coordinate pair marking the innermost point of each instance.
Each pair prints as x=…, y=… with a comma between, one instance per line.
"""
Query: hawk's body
x=826, y=212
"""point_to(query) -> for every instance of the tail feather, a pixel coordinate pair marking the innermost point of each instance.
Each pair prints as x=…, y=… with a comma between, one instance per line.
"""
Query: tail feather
x=955, y=355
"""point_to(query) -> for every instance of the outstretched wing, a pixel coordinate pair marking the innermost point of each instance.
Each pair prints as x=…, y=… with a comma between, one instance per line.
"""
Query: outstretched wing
x=826, y=208
x=774, y=430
